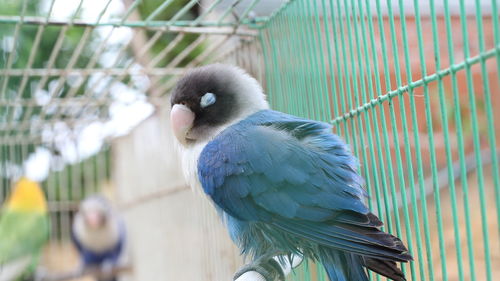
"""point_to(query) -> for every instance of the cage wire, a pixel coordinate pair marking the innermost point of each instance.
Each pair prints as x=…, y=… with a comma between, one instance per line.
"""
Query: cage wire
x=410, y=85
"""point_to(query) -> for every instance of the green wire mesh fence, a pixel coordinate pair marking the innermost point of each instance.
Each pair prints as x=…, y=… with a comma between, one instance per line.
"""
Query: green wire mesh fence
x=411, y=85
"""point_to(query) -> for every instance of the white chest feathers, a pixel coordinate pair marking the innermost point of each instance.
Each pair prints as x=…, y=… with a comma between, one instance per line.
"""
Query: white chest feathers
x=189, y=155
x=189, y=160
x=98, y=240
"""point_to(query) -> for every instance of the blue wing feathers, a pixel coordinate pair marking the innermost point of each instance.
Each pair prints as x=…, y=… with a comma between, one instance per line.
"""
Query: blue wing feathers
x=269, y=158
x=294, y=174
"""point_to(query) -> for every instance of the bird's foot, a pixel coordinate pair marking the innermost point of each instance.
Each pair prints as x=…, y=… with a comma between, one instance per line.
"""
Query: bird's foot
x=267, y=269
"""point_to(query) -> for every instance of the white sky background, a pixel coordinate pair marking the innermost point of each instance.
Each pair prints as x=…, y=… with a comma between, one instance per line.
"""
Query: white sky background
x=129, y=106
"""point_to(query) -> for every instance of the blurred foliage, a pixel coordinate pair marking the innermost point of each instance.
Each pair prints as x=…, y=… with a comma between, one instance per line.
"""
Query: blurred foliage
x=148, y=6
x=19, y=49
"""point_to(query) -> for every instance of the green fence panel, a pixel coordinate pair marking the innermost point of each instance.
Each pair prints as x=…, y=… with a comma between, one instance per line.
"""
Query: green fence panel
x=412, y=87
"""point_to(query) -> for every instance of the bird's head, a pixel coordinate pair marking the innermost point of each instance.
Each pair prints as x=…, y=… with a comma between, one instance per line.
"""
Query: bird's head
x=210, y=97
x=95, y=211
x=27, y=196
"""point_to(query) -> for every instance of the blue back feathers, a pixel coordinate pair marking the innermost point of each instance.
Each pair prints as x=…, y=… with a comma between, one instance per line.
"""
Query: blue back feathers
x=276, y=164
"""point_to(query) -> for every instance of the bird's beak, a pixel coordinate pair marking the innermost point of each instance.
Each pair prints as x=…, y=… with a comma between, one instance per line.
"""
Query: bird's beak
x=181, y=119
x=94, y=219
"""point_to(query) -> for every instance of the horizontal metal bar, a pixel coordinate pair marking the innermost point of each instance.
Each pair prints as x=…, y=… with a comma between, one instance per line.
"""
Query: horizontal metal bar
x=87, y=72
x=167, y=26
x=63, y=206
x=34, y=127
x=418, y=83
x=60, y=102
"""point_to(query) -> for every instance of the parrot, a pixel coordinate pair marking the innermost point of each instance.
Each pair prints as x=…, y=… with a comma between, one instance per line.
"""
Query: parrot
x=98, y=233
x=283, y=185
x=24, y=230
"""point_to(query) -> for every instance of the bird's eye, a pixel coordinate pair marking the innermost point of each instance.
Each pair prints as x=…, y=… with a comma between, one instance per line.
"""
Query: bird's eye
x=207, y=100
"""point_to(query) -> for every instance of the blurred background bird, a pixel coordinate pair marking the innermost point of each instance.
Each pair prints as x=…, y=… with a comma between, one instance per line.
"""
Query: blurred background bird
x=24, y=229
x=99, y=236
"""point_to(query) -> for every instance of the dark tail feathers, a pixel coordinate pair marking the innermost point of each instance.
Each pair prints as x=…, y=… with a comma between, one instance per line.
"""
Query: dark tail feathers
x=342, y=266
x=384, y=267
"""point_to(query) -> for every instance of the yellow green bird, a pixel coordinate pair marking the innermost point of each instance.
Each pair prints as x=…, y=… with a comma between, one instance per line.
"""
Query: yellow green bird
x=24, y=229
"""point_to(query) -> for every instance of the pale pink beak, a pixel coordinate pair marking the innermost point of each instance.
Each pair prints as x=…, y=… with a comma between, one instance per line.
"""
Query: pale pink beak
x=94, y=219
x=181, y=119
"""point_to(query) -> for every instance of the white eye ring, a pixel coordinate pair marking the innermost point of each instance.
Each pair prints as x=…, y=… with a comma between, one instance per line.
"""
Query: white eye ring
x=207, y=99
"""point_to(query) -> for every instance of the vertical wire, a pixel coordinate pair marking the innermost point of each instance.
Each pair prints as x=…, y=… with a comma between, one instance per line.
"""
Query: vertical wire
x=476, y=141
x=495, y=168
x=369, y=133
x=460, y=141
x=490, y=125
x=341, y=75
x=311, y=69
x=333, y=85
x=304, y=86
x=347, y=77
x=51, y=193
x=373, y=162
x=276, y=71
x=305, y=69
x=304, y=90
x=396, y=141
x=263, y=42
x=416, y=137
x=296, y=75
x=3, y=170
x=355, y=73
x=354, y=78
x=368, y=126
x=64, y=197
x=326, y=113
x=283, y=24
x=449, y=160
x=374, y=116
x=269, y=71
x=292, y=45
x=95, y=168
x=383, y=118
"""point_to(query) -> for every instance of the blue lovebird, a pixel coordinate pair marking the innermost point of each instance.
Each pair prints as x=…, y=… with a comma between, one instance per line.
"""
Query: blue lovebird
x=284, y=185
x=98, y=234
